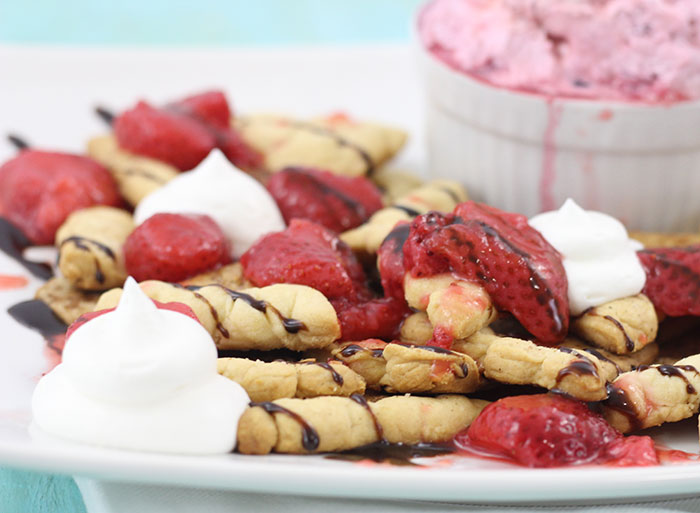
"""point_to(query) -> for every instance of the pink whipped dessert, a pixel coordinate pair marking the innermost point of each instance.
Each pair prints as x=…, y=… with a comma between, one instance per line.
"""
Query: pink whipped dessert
x=629, y=50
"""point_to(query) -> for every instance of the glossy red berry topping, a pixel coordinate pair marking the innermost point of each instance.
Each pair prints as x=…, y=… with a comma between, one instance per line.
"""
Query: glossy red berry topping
x=337, y=202
x=519, y=269
x=172, y=247
x=390, y=261
x=547, y=430
x=39, y=189
x=170, y=136
x=376, y=318
x=673, y=279
x=307, y=254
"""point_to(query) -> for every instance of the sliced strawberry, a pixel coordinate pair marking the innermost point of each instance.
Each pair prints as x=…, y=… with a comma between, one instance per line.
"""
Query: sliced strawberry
x=210, y=107
x=376, y=318
x=391, y=262
x=519, y=269
x=673, y=279
x=173, y=306
x=307, y=254
x=169, y=136
x=336, y=202
x=548, y=430
x=172, y=247
x=39, y=189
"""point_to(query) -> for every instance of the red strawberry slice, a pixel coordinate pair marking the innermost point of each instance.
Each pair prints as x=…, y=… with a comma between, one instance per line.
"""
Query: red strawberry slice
x=390, y=261
x=175, y=138
x=337, y=202
x=547, y=430
x=173, y=306
x=307, y=254
x=172, y=247
x=673, y=279
x=210, y=107
x=519, y=269
x=376, y=318
x=39, y=189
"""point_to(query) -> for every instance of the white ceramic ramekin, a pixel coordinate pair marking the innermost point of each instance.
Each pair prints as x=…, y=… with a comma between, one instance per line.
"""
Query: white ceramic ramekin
x=527, y=153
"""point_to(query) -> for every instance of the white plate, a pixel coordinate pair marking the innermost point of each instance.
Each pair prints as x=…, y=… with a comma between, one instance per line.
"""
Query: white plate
x=47, y=96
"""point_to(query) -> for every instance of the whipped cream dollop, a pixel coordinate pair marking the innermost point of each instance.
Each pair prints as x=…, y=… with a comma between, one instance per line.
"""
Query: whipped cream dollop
x=599, y=258
x=239, y=204
x=141, y=378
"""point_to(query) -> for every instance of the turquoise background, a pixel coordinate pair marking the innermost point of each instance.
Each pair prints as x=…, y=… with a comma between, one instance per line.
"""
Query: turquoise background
x=180, y=23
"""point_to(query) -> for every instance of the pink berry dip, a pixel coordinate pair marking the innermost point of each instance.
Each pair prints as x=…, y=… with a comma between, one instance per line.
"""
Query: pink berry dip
x=621, y=50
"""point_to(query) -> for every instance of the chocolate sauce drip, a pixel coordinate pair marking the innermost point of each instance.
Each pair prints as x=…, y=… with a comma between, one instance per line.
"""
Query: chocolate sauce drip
x=452, y=194
x=360, y=399
x=133, y=171
x=581, y=367
x=18, y=142
x=13, y=243
x=629, y=343
x=395, y=454
x=219, y=326
x=80, y=243
x=673, y=371
x=602, y=358
x=309, y=436
x=508, y=326
x=410, y=211
x=619, y=401
x=341, y=141
x=323, y=188
x=290, y=325
x=399, y=235
x=334, y=373
x=105, y=115
x=37, y=315
x=353, y=349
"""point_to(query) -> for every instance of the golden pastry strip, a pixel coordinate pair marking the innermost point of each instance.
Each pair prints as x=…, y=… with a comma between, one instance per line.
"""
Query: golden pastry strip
x=67, y=302
x=394, y=184
x=267, y=381
x=621, y=326
x=334, y=144
x=229, y=276
x=399, y=368
x=136, y=176
x=90, y=244
x=331, y=424
x=456, y=307
x=416, y=329
x=442, y=195
x=653, y=395
x=278, y=316
x=664, y=240
x=620, y=362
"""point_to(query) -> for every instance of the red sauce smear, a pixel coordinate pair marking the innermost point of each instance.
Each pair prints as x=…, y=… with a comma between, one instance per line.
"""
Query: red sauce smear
x=8, y=282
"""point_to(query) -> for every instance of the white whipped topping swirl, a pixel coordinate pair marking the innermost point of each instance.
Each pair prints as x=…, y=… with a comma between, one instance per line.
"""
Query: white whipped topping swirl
x=599, y=258
x=239, y=204
x=141, y=378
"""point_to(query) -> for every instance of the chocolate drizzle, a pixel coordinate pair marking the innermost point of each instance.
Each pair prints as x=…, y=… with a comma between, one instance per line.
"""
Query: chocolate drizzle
x=399, y=235
x=360, y=399
x=290, y=325
x=18, y=142
x=619, y=401
x=80, y=243
x=395, y=454
x=410, y=211
x=13, y=243
x=309, y=436
x=37, y=315
x=673, y=371
x=352, y=349
x=325, y=365
x=452, y=194
x=583, y=366
x=603, y=358
x=341, y=141
x=105, y=115
x=629, y=343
